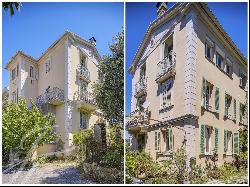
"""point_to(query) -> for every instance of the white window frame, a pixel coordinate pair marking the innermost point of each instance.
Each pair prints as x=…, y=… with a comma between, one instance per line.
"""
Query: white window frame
x=208, y=141
x=210, y=51
x=157, y=141
x=229, y=143
x=222, y=59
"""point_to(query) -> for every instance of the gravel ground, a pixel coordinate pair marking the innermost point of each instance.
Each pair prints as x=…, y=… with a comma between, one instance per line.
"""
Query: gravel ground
x=47, y=174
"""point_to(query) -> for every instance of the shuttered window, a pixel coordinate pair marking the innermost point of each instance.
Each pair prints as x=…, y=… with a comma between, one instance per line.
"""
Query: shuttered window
x=216, y=140
x=217, y=99
x=157, y=141
x=202, y=139
x=236, y=143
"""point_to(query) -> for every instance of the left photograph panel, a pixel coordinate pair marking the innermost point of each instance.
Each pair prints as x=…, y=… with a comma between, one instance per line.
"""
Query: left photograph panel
x=62, y=93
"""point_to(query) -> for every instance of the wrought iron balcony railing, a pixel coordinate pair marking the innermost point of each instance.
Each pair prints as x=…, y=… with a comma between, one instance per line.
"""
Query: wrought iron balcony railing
x=54, y=96
x=83, y=73
x=141, y=87
x=86, y=97
x=136, y=119
x=166, y=67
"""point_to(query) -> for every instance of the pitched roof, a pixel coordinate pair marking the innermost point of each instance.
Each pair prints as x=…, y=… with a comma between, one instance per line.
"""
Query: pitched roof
x=65, y=35
x=172, y=11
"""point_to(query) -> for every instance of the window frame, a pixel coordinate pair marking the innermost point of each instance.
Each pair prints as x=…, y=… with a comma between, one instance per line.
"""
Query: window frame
x=84, y=120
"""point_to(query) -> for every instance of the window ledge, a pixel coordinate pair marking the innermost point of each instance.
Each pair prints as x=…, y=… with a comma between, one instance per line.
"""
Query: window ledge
x=229, y=76
x=230, y=118
x=210, y=60
x=167, y=108
x=165, y=153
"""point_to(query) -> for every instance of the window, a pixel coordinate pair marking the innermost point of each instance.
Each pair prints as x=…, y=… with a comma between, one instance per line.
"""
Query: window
x=31, y=72
x=48, y=65
x=166, y=95
x=228, y=106
x=219, y=61
x=243, y=78
x=228, y=142
x=157, y=141
x=169, y=140
x=242, y=113
x=208, y=132
x=83, y=62
x=17, y=70
x=208, y=51
x=83, y=86
x=84, y=120
x=15, y=96
x=143, y=72
x=207, y=91
x=13, y=74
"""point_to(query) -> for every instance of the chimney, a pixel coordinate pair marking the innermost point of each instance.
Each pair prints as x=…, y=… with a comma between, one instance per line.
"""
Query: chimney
x=93, y=40
x=161, y=8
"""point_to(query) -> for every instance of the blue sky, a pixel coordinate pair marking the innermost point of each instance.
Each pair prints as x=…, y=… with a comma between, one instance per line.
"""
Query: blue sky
x=232, y=16
x=38, y=25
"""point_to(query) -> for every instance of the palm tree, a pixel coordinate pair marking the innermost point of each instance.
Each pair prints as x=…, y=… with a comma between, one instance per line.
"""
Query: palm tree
x=9, y=6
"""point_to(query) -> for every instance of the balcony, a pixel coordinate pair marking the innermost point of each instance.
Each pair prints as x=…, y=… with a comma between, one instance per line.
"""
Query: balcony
x=166, y=67
x=53, y=96
x=85, y=101
x=141, y=87
x=83, y=73
x=137, y=121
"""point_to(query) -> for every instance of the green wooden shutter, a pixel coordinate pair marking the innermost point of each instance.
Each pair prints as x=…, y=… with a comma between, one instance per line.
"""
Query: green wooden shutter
x=236, y=143
x=225, y=104
x=155, y=140
x=225, y=141
x=159, y=140
x=217, y=99
x=203, y=92
x=216, y=140
x=202, y=139
x=241, y=112
x=234, y=109
x=170, y=133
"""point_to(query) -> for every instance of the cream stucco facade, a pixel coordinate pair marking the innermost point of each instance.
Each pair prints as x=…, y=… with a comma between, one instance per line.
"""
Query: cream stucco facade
x=60, y=81
x=189, y=87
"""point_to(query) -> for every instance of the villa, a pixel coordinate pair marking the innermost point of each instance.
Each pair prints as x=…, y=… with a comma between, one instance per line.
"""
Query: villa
x=189, y=87
x=60, y=82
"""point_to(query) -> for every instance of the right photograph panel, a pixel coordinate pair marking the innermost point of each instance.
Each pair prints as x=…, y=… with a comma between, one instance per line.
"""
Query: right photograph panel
x=186, y=93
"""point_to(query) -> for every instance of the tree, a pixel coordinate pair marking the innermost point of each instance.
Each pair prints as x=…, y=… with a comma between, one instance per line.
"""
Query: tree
x=9, y=6
x=109, y=91
x=24, y=130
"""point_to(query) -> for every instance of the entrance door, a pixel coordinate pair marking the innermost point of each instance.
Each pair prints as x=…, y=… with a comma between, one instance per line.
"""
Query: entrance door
x=141, y=142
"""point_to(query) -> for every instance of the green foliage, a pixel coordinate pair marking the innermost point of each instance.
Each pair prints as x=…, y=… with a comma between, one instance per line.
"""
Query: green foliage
x=243, y=140
x=109, y=91
x=24, y=130
x=198, y=175
x=9, y=6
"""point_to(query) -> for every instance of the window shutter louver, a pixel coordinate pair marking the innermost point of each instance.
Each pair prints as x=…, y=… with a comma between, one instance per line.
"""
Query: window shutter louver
x=217, y=99
x=159, y=141
x=240, y=112
x=216, y=140
x=170, y=132
x=225, y=104
x=225, y=141
x=234, y=109
x=203, y=92
x=236, y=143
x=202, y=139
x=155, y=140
